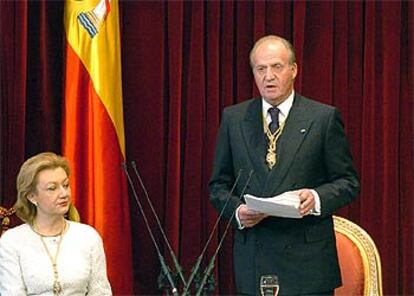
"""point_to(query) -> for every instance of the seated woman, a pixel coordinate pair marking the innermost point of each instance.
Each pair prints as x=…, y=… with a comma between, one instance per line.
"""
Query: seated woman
x=50, y=255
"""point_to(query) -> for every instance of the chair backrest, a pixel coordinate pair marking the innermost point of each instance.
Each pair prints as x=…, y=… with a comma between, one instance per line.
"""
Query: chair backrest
x=359, y=260
x=5, y=218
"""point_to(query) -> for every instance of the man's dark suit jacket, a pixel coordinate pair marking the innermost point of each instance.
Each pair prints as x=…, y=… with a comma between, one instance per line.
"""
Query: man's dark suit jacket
x=312, y=153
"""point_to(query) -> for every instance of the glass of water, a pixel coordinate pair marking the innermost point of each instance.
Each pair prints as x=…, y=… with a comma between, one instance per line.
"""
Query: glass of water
x=269, y=285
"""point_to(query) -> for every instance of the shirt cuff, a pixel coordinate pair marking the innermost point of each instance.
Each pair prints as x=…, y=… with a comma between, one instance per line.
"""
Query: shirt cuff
x=317, y=209
x=238, y=219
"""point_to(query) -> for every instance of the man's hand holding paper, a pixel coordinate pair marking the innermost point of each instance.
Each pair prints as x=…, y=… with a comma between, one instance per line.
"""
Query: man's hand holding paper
x=249, y=217
x=291, y=204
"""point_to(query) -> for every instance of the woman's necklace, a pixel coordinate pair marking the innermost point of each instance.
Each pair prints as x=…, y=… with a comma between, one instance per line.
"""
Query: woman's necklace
x=57, y=287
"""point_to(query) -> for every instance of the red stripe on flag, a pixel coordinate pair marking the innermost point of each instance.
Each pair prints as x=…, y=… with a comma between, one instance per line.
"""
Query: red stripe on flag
x=108, y=7
x=99, y=187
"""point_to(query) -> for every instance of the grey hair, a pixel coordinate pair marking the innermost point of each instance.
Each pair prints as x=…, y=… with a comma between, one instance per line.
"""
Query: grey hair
x=286, y=43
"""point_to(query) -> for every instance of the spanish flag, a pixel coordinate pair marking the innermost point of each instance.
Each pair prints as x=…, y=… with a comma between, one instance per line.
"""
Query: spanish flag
x=93, y=129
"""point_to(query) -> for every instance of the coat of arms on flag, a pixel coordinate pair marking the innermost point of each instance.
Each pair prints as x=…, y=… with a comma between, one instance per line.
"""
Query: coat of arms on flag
x=93, y=19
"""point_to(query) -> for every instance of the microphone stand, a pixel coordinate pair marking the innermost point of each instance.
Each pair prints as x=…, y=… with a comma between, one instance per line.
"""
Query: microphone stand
x=164, y=268
x=165, y=271
x=209, y=268
x=196, y=266
x=172, y=254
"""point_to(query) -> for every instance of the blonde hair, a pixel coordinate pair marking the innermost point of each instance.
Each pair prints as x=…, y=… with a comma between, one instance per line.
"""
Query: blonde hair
x=27, y=179
x=286, y=43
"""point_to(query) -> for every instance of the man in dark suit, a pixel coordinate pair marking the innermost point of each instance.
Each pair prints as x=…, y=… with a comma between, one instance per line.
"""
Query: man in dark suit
x=301, y=147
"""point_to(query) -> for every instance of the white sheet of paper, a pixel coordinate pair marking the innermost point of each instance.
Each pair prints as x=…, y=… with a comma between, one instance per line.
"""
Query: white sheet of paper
x=284, y=205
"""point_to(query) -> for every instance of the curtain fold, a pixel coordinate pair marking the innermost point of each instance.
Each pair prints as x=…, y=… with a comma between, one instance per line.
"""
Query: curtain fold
x=13, y=64
x=173, y=89
x=182, y=63
x=30, y=67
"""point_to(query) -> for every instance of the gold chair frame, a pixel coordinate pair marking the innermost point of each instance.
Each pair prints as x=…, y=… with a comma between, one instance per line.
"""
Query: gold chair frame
x=369, y=254
x=5, y=215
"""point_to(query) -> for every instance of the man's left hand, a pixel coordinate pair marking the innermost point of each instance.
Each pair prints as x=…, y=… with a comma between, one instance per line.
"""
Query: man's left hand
x=307, y=202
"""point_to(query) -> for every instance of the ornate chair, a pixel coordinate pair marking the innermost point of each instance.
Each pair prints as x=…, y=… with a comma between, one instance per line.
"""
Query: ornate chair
x=359, y=260
x=5, y=216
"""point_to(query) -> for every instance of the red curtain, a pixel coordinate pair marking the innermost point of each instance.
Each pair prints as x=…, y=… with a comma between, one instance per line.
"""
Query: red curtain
x=30, y=84
x=183, y=61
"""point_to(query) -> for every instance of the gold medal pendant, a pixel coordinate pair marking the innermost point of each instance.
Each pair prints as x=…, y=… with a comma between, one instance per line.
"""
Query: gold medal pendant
x=270, y=158
x=57, y=288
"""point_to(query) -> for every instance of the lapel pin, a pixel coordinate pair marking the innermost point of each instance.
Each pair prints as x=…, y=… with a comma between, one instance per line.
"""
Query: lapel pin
x=303, y=131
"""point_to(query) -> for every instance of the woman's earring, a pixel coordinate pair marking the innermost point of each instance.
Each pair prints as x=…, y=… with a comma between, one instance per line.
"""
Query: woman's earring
x=30, y=198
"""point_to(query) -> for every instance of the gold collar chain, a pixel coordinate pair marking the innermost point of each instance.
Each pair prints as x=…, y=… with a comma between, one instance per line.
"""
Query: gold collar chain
x=271, y=157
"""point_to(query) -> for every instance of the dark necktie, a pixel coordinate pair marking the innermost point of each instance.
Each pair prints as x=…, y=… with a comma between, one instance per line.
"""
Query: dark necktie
x=274, y=123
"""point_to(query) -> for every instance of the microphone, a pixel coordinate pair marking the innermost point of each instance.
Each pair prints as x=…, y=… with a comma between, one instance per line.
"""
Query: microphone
x=210, y=266
x=172, y=254
x=164, y=266
x=196, y=267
